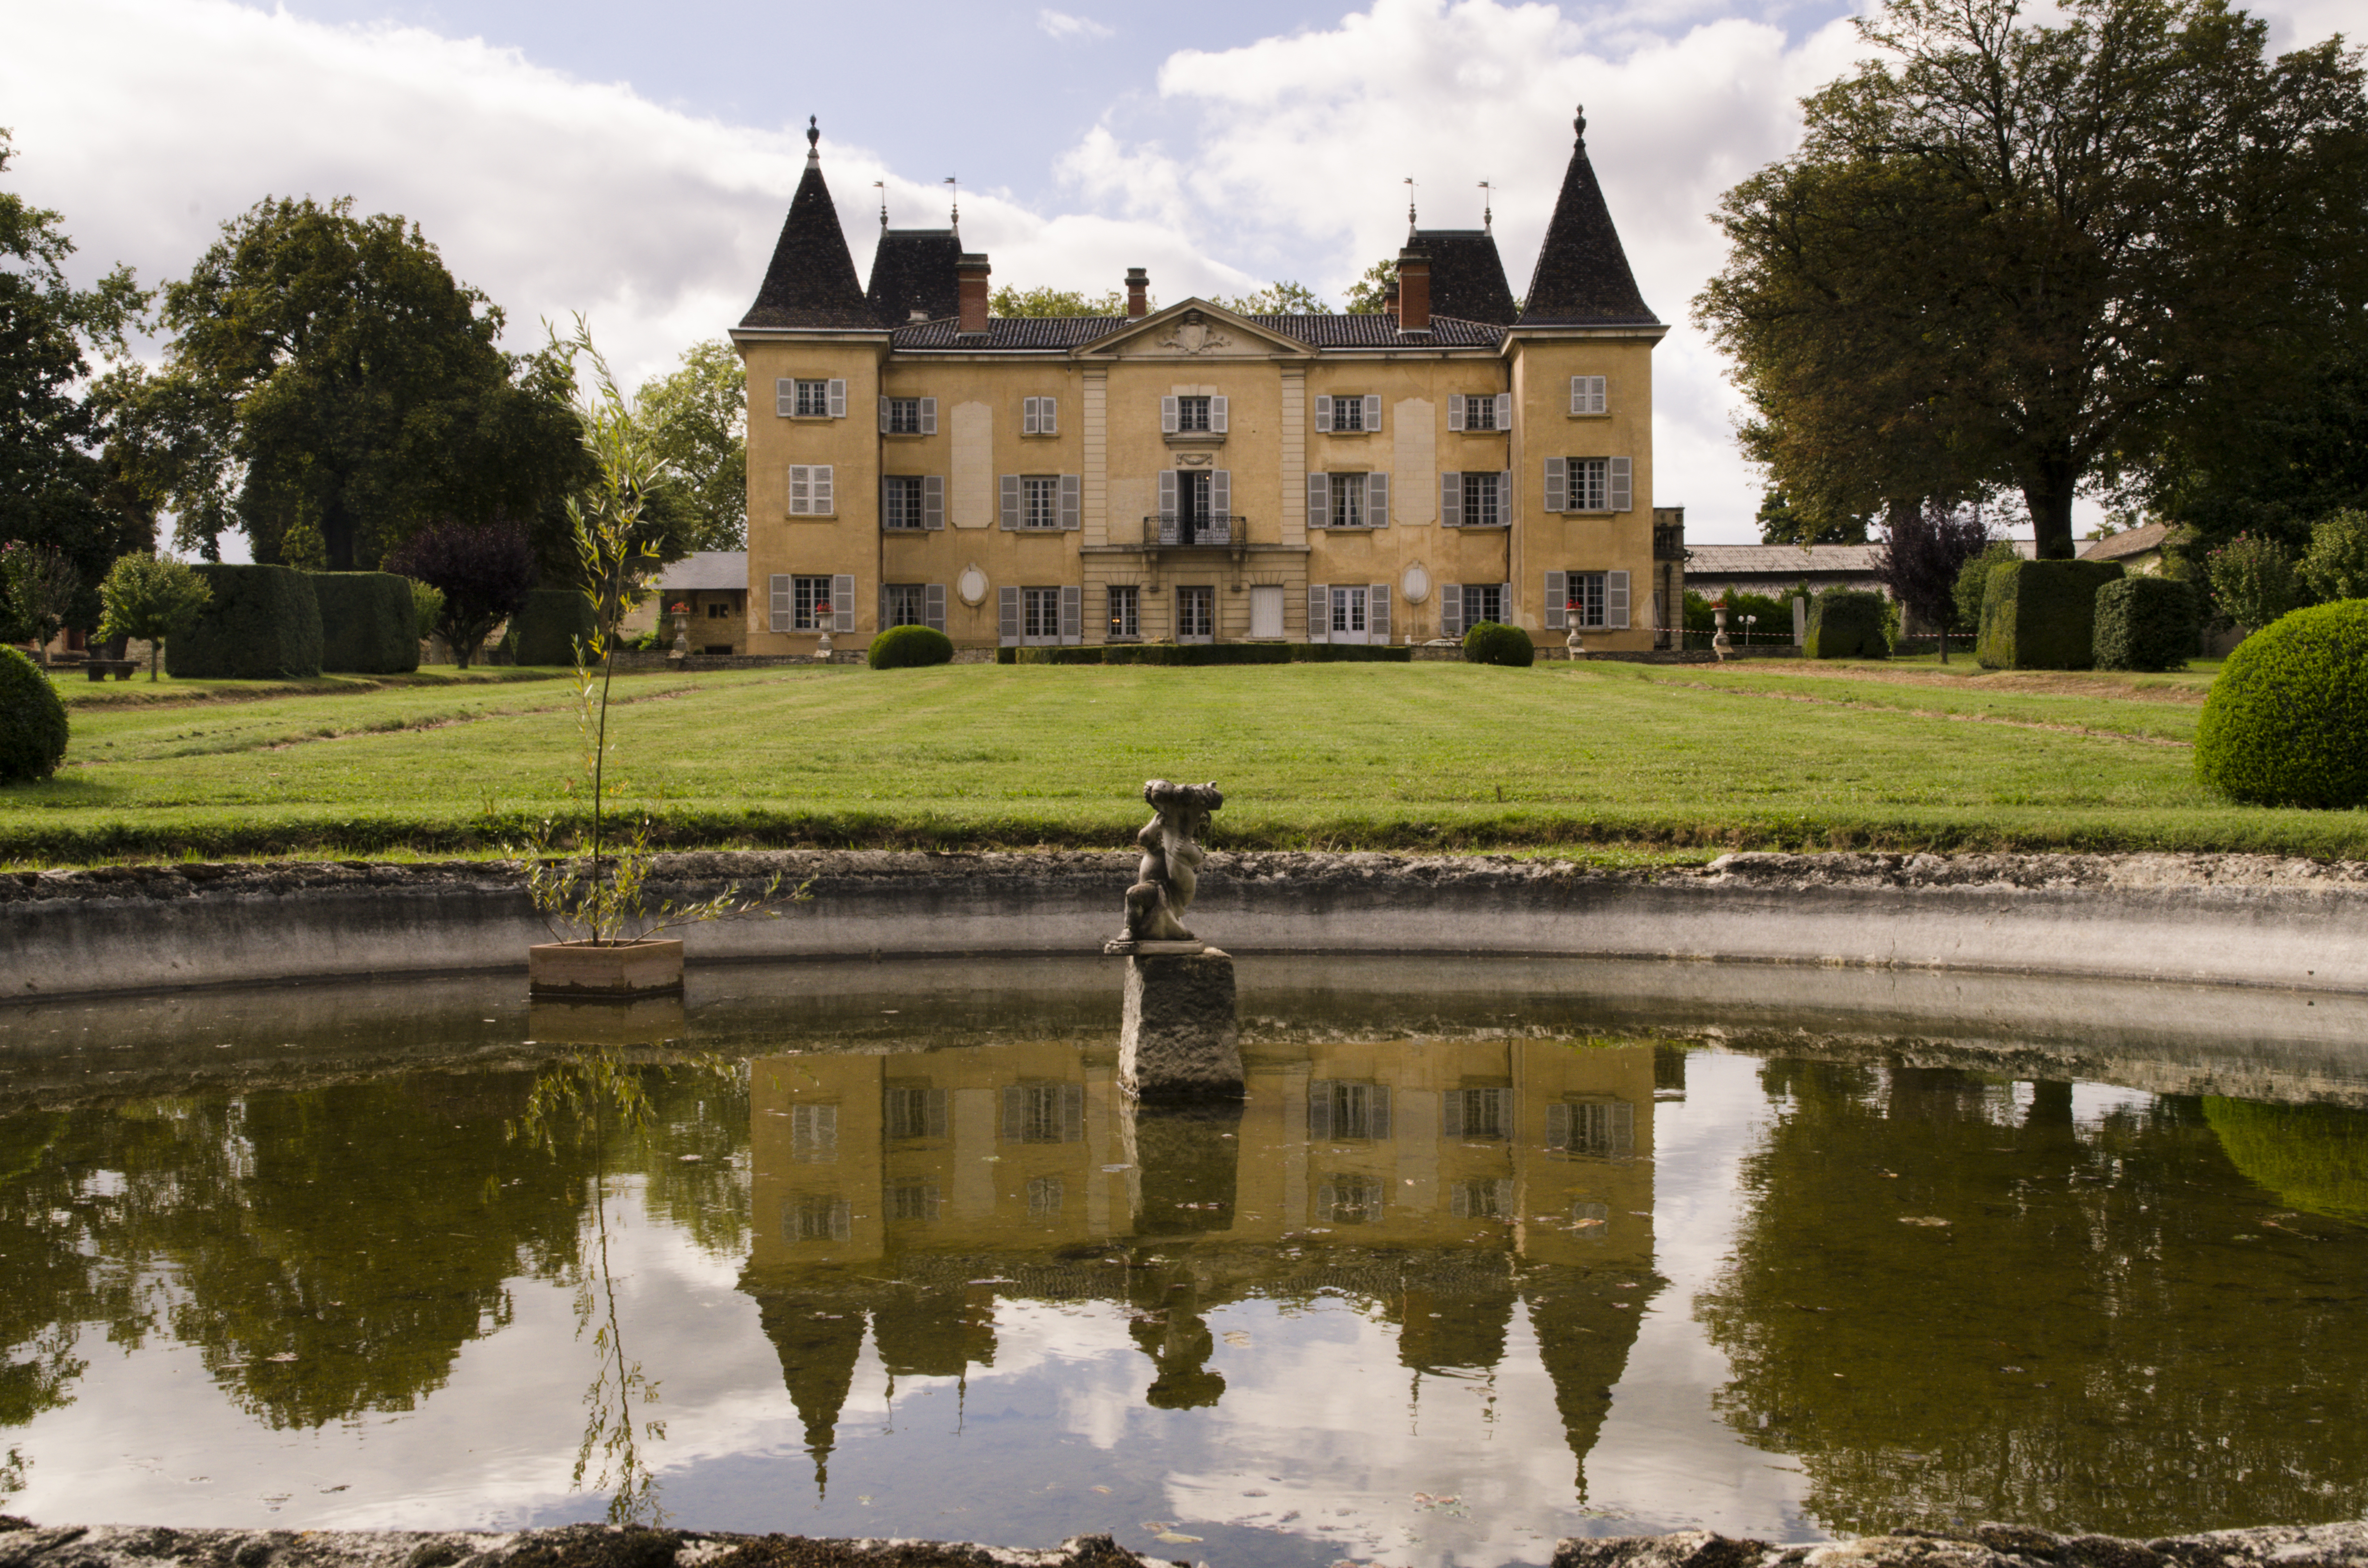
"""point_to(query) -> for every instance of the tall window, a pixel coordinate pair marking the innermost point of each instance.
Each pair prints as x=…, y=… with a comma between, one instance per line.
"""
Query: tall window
x=1039, y=501
x=1126, y=612
x=1348, y=413
x=1348, y=499
x=1043, y=1113
x=1482, y=1200
x=814, y=401
x=1480, y=411
x=818, y=1220
x=913, y=1112
x=1191, y=414
x=1196, y=614
x=1039, y=615
x=900, y=501
x=809, y=603
x=908, y=605
x=1044, y=1196
x=1484, y=601
x=1350, y=1200
x=1586, y=604
x=810, y=490
x=903, y=417
x=1348, y=611
x=1337, y=1109
x=918, y=1200
x=1592, y=1127
x=1591, y=485
x=1476, y=1114
x=1484, y=500
x=813, y=1133
x=1586, y=394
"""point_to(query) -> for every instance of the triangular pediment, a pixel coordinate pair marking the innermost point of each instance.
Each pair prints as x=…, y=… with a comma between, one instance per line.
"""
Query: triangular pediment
x=1194, y=329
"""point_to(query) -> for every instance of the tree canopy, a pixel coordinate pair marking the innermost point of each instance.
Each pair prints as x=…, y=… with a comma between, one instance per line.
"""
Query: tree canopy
x=2040, y=256
x=329, y=379
x=696, y=421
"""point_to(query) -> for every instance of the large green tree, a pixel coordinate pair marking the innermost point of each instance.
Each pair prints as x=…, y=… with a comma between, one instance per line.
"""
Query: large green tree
x=54, y=489
x=2036, y=255
x=330, y=380
x=696, y=421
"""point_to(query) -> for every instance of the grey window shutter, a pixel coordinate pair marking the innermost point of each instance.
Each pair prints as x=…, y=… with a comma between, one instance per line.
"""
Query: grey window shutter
x=785, y=397
x=1377, y=500
x=1216, y=416
x=933, y=1114
x=1579, y=394
x=1557, y=485
x=1167, y=415
x=1015, y=1112
x=1451, y=610
x=801, y=499
x=1450, y=1120
x=1319, y=612
x=1505, y=496
x=782, y=608
x=1221, y=501
x=1372, y=411
x=1322, y=414
x=933, y=606
x=1378, y=1120
x=1006, y=604
x=1507, y=605
x=1011, y=500
x=1450, y=500
x=1454, y=411
x=928, y=416
x=1620, y=486
x=824, y=503
x=1319, y=500
x=1377, y=611
x=1319, y=1112
x=1028, y=416
x=933, y=501
x=1557, y=601
x=1073, y=614
x=838, y=400
x=883, y=417
x=1504, y=410
x=1048, y=415
x=887, y=502
x=882, y=622
x=1072, y=500
x=1615, y=599
x=1168, y=506
x=842, y=602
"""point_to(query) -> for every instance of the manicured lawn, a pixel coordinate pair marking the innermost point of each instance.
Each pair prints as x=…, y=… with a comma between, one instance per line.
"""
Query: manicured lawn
x=1310, y=755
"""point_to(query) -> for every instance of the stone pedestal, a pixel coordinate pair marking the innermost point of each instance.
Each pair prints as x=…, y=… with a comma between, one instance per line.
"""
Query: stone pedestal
x=1179, y=1041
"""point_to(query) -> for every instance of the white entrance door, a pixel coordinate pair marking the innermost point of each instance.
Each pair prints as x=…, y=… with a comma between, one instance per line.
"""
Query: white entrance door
x=1347, y=615
x=1266, y=611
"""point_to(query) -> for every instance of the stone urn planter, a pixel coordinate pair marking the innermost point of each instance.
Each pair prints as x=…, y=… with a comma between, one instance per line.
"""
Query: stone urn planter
x=605, y=971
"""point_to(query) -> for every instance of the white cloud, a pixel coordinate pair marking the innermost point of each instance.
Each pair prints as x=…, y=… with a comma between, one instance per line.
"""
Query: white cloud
x=1061, y=25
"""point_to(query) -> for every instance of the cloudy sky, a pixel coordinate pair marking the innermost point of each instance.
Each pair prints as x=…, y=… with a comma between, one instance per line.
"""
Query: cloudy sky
x=632, y=161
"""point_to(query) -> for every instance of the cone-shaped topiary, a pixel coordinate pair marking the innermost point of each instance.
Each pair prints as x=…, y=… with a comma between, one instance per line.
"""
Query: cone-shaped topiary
x=906, y=647
x=2286, y=724
x=32, y=721
x=1490, y=644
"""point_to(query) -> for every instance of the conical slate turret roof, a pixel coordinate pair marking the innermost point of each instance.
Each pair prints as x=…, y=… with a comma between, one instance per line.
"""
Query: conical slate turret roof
x=1467, y=278
x=812, y=279
x=914, y=270
x=1582, y=277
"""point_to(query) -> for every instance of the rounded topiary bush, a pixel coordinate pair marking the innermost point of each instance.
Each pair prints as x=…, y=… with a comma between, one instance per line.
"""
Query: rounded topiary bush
x=1490, y=644
x=2144, y=623
x=2286, y=724
x=32, y=721
x=904, y=647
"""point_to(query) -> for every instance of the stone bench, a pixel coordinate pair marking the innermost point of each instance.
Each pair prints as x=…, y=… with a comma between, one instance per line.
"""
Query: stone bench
x=121, y=669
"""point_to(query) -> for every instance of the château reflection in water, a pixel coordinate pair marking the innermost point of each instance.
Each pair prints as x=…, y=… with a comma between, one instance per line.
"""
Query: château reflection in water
x=1446, y=1181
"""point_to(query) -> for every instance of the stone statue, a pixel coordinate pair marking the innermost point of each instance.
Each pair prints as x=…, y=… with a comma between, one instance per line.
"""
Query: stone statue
x=1172, y=855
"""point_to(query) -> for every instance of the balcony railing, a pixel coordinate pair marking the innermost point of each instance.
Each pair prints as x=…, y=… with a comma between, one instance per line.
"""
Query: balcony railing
x=1213, y=529
x=1668, y=541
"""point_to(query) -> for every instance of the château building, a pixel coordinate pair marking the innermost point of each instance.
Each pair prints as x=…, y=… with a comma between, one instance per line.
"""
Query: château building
x=1193, y=474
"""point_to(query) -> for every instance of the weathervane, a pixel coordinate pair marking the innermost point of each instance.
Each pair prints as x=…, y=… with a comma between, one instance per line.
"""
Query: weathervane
x=956, y=189
x=1578, y=123
x=813, y=139
x=881, y=187
x=1410, y=226
x=1487, y=213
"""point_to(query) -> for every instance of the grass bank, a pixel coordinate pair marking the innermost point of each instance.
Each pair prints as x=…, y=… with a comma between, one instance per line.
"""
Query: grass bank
x=1632, y=759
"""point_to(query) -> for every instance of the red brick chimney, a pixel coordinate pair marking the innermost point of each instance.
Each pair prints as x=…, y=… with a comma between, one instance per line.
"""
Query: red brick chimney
x=1413, y=290
x=971, y=274
x=1138, y=292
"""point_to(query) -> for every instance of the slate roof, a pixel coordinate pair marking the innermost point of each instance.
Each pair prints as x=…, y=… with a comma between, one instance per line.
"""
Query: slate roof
x=1582, y=277
x=2128, y=542
x=1043, y=333
x=1788, y=561
x=914, y=270
x=712, y=571
x=811, y=282
x=1467, y=276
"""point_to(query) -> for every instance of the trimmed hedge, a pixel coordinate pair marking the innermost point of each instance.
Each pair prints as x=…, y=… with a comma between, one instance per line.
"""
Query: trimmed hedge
x=2146, y=623
x=369, y=624
x=910, y=647
x=2042, y=615
x=1348, y=653
x=1847, y=623
x=2286, y=724
x=1493, y=642
x=32, y=721
x=262, y=623
x=547, y=629
x=1205, y=654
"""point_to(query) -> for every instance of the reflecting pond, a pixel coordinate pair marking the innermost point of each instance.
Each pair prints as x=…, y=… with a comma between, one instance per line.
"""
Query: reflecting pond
x=1493, y=1254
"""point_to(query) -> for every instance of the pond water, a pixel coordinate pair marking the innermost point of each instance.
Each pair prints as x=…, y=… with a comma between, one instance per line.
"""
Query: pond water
x=1492, y=1254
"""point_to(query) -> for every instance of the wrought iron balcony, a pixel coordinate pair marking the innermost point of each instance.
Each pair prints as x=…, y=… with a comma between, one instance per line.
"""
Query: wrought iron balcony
x=1215, y=531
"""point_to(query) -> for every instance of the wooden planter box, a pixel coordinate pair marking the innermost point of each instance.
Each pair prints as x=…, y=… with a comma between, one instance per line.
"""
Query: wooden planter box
x=589, y=971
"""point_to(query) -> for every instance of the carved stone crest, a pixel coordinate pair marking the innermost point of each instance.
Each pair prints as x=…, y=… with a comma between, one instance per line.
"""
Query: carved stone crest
x=1169, y=872
x=1193, y=336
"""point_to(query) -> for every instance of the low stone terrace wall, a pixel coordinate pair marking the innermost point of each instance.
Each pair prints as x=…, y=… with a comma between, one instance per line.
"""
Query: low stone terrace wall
x=2254, y=921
